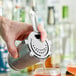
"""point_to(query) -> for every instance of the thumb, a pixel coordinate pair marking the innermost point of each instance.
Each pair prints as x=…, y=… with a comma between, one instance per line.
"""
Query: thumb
x=42, y=32
x=12, y=48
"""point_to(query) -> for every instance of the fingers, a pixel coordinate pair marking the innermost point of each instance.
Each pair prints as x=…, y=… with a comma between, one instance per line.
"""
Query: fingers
x=22, y=37
x=12, y=49
x=42, y=32
x=23, y=31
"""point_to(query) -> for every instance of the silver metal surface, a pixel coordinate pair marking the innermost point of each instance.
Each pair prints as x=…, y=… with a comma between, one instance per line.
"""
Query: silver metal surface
x=30, y=50
x=37, y=47
x=24, y=59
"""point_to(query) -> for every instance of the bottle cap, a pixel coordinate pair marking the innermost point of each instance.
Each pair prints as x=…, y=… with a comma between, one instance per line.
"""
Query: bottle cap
x=65, y=11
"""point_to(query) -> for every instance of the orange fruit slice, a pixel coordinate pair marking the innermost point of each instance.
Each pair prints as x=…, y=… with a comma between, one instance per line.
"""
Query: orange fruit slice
x=48, y=62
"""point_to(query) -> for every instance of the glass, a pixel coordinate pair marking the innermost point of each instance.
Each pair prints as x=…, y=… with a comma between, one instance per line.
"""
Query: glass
x=72, y=68
x=47, y=72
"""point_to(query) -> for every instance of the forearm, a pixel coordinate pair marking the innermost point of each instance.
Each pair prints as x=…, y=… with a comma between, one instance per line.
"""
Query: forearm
x=1, y=18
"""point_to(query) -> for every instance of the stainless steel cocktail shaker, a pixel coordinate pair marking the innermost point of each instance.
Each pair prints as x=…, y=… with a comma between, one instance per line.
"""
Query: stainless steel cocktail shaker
x=31, y=50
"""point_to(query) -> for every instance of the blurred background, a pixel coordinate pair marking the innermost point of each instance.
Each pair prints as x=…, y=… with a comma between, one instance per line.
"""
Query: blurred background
x=59, y=17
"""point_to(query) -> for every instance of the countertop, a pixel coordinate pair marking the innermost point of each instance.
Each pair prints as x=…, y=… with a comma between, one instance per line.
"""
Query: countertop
x=25, y=74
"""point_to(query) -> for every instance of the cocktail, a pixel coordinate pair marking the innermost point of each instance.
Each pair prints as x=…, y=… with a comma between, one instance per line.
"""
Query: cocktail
x=47, y=72
x=72, y=68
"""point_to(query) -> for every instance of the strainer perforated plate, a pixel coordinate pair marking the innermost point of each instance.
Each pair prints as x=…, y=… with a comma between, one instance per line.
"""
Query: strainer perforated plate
x=38, y=48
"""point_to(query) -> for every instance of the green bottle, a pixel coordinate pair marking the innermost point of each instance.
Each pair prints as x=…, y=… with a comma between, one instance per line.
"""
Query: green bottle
x=65, y=12
x=22, y=14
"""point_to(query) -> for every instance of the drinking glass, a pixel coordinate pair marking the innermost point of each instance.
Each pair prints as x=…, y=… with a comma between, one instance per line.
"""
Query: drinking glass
x=72, y=68
x=47, y=72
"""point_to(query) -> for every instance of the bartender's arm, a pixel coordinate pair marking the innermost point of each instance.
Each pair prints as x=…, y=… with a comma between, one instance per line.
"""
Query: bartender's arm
x=12, y=31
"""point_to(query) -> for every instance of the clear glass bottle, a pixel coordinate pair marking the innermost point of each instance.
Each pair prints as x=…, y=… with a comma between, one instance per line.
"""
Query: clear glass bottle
x=67, y=34
x=22, y=14
x=7, y=8
x=23, y=11
x=16, y=10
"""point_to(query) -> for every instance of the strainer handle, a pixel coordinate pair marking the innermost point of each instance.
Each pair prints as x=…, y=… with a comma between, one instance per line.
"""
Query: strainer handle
x=34, y=21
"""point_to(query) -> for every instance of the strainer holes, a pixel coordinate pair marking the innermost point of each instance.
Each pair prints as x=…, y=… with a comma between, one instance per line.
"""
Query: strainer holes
x=45, y=45
x=40, y=52
x=45, y=48
x=37, y=51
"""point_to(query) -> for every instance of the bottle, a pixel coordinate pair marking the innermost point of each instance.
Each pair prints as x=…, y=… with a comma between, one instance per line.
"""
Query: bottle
x=53, y=10
x=16, y=10
x=22, y=11
x=22, y=14
x=7, y=9
x=51, y=16
x=4, y=68
x=67, y=35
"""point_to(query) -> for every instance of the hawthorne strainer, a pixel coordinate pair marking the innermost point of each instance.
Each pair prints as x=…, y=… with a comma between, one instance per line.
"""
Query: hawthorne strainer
x=32, y=49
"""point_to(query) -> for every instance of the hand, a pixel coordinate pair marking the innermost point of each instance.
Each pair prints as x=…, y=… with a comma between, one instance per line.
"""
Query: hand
x=12, y=31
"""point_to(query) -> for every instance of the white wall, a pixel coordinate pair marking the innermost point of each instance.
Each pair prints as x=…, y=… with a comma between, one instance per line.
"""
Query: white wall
x=72, y=9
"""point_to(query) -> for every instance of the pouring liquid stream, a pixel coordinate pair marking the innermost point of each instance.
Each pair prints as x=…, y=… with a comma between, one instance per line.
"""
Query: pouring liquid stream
x=43, y=63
